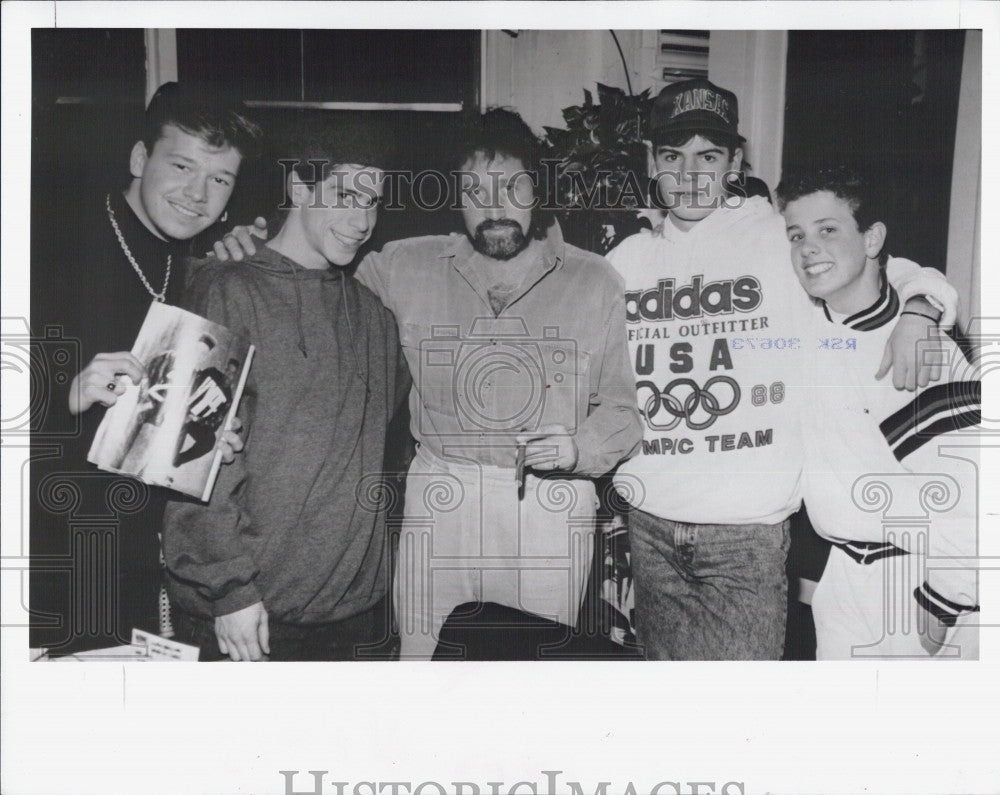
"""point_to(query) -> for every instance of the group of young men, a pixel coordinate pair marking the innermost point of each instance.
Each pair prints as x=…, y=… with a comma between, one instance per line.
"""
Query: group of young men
x=690, y=364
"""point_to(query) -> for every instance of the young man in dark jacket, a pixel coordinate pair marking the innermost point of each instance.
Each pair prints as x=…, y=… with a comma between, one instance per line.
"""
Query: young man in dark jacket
x=102, y=258
x=289, y=559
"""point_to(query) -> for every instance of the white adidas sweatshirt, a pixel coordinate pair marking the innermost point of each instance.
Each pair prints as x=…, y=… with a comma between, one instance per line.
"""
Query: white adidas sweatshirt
x=718, y=332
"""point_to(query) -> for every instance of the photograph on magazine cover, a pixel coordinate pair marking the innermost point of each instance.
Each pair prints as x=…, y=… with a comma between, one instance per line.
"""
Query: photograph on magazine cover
x=163, y=430
x=638, y=317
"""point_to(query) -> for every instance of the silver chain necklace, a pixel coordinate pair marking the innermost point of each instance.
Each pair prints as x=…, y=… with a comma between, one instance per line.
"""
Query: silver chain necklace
x=161, y=296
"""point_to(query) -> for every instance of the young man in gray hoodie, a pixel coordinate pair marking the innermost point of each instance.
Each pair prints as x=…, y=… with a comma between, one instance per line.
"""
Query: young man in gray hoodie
x=286, y=561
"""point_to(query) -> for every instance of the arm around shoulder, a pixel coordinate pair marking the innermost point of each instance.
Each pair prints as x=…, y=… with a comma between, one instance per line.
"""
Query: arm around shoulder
x=912, y=281
x=373, y=273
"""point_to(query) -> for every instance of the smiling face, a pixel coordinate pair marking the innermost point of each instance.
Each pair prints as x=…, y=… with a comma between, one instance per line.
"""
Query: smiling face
x=691, y=179
x=333, y=220
x=833, y=259
x=182, y=186
x=497, y=208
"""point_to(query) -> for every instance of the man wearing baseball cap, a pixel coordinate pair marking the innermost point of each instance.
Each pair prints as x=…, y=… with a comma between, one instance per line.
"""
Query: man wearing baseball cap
x=717, y=328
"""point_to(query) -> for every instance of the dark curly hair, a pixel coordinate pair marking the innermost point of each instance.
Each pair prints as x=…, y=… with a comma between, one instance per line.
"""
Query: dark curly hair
x=844, y=182
x=336, y=140
x=847, y=183
x=502, y=132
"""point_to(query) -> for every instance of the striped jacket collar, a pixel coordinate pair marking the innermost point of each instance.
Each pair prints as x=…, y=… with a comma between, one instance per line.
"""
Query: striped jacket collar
x=883, y=311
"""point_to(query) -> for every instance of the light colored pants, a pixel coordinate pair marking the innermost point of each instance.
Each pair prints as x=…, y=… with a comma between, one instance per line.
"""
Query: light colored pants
x=466, y=537
x=867, y=611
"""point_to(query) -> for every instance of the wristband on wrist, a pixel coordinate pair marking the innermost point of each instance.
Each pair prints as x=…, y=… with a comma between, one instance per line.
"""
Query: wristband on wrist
x=918, y=314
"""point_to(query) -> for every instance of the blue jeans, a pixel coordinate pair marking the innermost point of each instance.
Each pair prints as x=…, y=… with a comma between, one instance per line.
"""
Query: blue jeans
x=709, y=592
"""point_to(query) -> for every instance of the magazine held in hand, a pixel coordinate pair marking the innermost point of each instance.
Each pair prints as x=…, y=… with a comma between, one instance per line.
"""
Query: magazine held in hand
x=164, y=429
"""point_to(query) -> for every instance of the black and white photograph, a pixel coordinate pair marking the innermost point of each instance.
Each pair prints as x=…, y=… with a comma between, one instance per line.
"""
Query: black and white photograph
x=636, y=367
x=164, y=429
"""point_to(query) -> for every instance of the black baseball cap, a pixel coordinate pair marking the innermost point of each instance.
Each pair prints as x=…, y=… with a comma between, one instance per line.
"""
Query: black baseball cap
x=695, y=106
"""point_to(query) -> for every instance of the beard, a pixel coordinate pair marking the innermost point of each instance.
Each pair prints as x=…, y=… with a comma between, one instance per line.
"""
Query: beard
x=500, y=238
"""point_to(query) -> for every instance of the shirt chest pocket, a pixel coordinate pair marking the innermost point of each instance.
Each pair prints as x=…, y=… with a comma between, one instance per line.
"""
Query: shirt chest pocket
x=497, y=384
x=566, y=393
x=431, y=353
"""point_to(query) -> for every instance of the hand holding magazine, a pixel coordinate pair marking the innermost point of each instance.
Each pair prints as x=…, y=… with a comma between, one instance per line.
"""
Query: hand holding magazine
x=164, y=429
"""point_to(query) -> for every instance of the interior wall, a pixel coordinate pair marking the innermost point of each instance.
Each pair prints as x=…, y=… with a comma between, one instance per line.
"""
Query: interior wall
x=161, y=58
x=886, y=102
x=540, y=72
x=966, y=185
x=752, y=64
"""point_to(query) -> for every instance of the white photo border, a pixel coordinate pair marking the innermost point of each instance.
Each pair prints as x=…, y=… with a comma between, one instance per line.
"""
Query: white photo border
x=788, y=727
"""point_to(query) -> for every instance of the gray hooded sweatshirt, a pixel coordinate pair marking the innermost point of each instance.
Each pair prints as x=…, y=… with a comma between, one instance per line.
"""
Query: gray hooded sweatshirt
x=294, y=521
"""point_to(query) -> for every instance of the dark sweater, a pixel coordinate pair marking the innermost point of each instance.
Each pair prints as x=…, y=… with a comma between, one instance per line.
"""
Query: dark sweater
x=95, y=555
x=291, y=522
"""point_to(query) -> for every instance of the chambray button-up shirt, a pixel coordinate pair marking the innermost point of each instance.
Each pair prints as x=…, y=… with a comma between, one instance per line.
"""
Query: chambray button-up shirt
x=555, y=354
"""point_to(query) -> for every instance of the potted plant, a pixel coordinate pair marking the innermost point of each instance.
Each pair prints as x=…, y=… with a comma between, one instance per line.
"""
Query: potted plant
x=600, y=168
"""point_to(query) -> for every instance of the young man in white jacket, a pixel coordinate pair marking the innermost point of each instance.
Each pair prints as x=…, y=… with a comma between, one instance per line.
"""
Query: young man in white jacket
x=718, y=331
x=875, y=454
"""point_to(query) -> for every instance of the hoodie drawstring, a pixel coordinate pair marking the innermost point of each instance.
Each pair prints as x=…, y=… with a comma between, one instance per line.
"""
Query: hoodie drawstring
x=298, y=309
x=350, y=332
x=347, y=313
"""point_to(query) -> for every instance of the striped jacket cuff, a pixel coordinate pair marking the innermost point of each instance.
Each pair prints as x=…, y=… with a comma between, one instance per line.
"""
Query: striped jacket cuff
x=939, y=409
x=944, y=610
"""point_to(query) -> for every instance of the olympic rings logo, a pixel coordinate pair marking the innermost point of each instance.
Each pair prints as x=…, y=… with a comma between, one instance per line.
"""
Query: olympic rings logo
x=682, y=398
